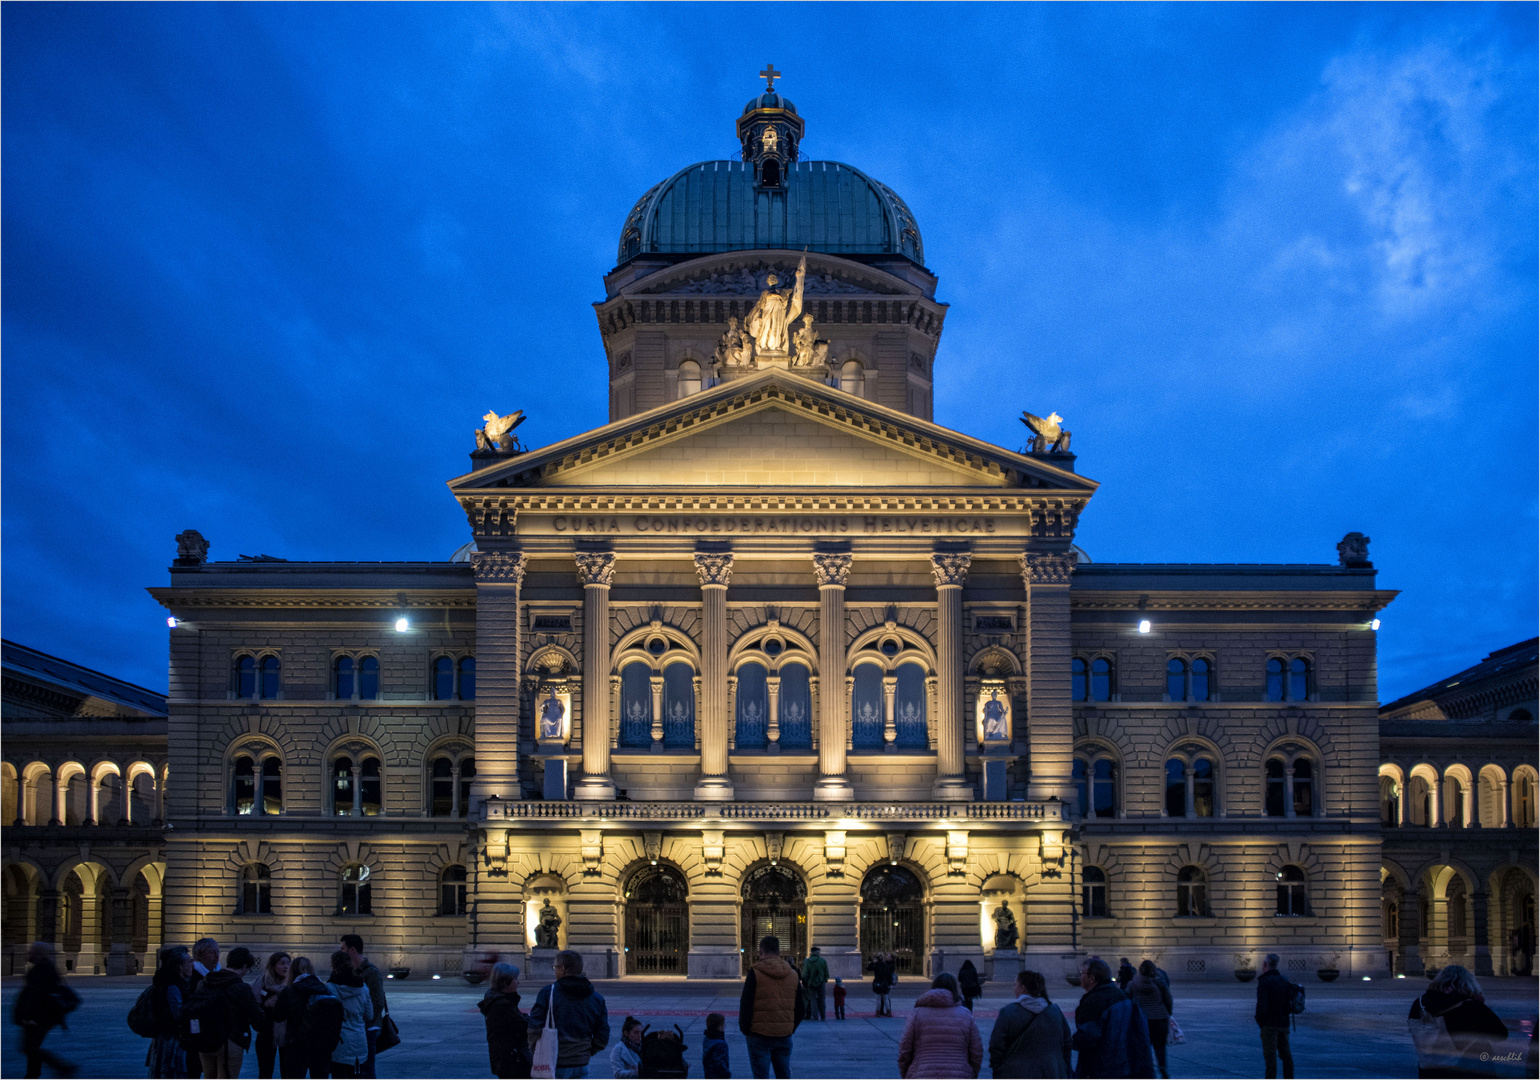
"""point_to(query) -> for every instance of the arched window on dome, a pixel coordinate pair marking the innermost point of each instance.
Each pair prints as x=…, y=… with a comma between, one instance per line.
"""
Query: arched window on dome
x=853, y=378
x=689, y=378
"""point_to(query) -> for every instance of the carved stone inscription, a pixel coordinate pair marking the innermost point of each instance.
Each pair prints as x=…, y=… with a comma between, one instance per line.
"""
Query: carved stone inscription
x=672, y=524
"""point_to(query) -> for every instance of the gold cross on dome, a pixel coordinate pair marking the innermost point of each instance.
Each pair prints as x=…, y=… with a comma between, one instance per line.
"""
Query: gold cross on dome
x=770, y=75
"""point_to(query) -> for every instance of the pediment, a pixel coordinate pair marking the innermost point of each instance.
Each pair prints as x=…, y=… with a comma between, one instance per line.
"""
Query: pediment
x=776, y=429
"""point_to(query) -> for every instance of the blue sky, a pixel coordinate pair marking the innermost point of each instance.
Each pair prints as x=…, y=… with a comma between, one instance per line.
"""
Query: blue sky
x=266, y=266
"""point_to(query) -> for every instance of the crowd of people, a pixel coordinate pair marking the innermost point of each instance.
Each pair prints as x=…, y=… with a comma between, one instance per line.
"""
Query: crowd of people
x=203, y=1012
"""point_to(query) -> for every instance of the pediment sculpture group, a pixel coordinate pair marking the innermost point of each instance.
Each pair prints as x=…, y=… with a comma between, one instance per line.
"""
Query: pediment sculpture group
x=771, y=329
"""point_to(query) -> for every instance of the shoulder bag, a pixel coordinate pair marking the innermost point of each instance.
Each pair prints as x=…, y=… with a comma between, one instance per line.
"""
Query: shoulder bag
x=543, y=1065
x=389, y=1036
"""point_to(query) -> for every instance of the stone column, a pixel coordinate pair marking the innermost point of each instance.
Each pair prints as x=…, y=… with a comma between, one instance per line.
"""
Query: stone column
x=125, y=817
x=499, y=660
x=656, y=683
x=1410, y=936
x=122, y=930
x=358, y=787
x=1481, y=948
x=950, y=570
x=715, y=571
x=773, y=721
x=61, y=793
x=596, y=570
x=48, y=901
x=1050, y=721
x=88, y=960
x=1505, y=821
x=1191, y=805
x=889, y=726
x=831, y=573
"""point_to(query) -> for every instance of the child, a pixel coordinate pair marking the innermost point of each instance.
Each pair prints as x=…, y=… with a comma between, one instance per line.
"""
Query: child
x=839, y=999
x=714, y=1049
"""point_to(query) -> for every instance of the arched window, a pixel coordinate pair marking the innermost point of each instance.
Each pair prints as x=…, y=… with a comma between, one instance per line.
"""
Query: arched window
x=1096, y=782
x=1454, y=801
x=1419, y=801
x=243, y=677
x=657, y=922
x=442, y=793
x=1176, y=788
x=1299, y=679
x=866, y=708
x=893, y=917
x=1191, y=892
x=468, y=679
x=342, y=786
x=1202, y=680
x=443, y=679
x=272, y=677
x=272, y=786
x=753, y=727
x=467, y=778
x=774, y=902
x=679, y=707
x=1276, y=788
x=689, y=378
x=343, y=681
x=1176, y=679
x=1093, y=893
x=370, y=788
x=1203, y=787
x=1523, y=800
x=1101, y=679
x=1079, y=680
x=1454, y=897
x=796, y=708
x=1274, y=679
x=909, y=708
x=244, y=785
x=853, y=377
x=1390, y=802
x=354, y=891
x=1292, y=897
x=256, y=890
x=636, y=705
x=1304, y=787
x=451, y=891
x=368, y=678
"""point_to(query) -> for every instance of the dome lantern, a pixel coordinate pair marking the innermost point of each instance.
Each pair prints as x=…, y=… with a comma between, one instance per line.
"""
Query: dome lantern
x=770, y=130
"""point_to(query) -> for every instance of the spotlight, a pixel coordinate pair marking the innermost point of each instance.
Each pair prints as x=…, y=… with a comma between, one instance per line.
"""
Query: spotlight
x=437, y=977
x=1367, y=979
x=171, y=621
x=1374, y=624
x=402, y=626
x=1144, y=626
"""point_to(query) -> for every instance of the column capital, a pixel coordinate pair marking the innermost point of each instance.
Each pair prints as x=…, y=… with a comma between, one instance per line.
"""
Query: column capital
x=714, y=569
x=1048, y=569
x=950, y=567
x=499, y=566
x=595, y=567
x=832, y=569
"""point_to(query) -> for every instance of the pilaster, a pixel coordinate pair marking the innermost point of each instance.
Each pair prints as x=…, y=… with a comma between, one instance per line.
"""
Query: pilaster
x=499, y=580
x=596, y=571
x=951, y=571
x=1050, y=721
x=831, y=571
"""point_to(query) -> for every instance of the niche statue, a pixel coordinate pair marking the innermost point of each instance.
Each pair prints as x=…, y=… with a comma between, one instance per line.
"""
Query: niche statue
x=1005, y=928
x=550, y=923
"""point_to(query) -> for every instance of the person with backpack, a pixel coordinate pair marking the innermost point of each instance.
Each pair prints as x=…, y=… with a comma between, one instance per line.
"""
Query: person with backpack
x=41, y=1006
x=374, y=981
x=884, y=977
x=311, y=1016
x=1453, y=1028
x=714, y=1062
x=815, y=975
x=507, y=1027
x=626, y=1056
x=582, y=1022
x=1275, y=1004
x=941, y=1037
x=1125, y=973
x=1030, y=1036
x=274, y=977
x=769, y=1010
x=169, y=991
x=217, y=1021
x=1110, y=1033
x=969, y=985
x=352, y=1049
x=1154, y=1000
x=205, y=954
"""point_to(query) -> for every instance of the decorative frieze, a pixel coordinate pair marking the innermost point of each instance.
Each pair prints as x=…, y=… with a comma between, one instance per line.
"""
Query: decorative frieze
x=499, y=566
x=950, y=568
x=595, y=567
x=1048, y=569
x=714, y=569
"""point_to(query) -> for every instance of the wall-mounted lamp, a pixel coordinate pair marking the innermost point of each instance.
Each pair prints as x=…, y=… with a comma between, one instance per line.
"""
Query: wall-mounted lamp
x=171, y=621
x=402, y=625
x=1144, y=626
x=1374, y=624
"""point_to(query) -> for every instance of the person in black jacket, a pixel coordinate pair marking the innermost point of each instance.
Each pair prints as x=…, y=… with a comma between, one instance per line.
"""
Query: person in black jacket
x=39, y=1009
x=507, y=1027
x=300, y=1051
x=241, y=1009
x=582, y=1020
x=968, y=983
x=1455, y=997
x=1273, y=994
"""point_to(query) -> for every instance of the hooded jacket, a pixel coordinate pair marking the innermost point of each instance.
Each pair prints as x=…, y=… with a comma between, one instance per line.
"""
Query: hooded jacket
x=507, y=1033
x=582, y=1020
x=1152, y=996
x=771, y=1003
x=353, y=1047
x=940, y=1039
x=1111, y=1035
x=240, y=1003
x=1030, y=1038
x=293, y=1002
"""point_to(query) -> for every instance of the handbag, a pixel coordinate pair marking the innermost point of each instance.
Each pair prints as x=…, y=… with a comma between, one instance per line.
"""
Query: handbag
x=543, y=1063
x=1177, y=1036
x=389, y=1036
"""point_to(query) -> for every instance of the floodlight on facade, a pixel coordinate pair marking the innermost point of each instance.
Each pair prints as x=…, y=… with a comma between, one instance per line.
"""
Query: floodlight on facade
x=402, y=626
x=1144, y=626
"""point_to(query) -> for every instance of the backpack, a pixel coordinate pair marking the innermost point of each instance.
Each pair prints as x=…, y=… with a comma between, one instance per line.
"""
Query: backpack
x=320, y=1025
x=662, y=1053
x=141, y=1018
x=205, y=1024
x=1296, y=998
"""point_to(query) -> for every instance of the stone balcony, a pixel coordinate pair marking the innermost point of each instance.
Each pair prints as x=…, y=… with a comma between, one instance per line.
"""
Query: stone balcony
x=831, y=813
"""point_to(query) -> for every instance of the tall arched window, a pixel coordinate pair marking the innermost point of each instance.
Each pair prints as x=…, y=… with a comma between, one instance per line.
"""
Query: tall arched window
x=753, y=706
x=443, y=679
x=636, y=705
x=442, y=794
x=244, y=785
x=866, y=708
x=467, y=778
x=1176, y=679
x=452, y=889
x=1390, y=802
x=272, y=786
x=1523, y=799
x=1176, y=788
x=1096, y=782
x=679, y=707
x=354, y=891
x=1454, y=801
x=1101, y=679
x=342, y=786
x=343, y=683
x=689, y=378
x=1419, y=801
x=1191, y=892
x=1292, y=897
x=1203, y=787
x=796, y=708
x=1093, y=893
x=371, y=794
x=256, y=890
x=853, y=377
x=243, y=677
x=909, y=708
x=1274, y=679
x=272, y=677
x=369, y=678
x=1304, y=787
x=1079, y=680
x=1454, y=898
x=1299, y=679
x=1202, y=679
x=468, y=679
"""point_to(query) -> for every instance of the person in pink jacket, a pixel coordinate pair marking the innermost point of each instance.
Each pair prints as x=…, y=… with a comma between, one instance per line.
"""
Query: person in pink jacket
x=940, y=1039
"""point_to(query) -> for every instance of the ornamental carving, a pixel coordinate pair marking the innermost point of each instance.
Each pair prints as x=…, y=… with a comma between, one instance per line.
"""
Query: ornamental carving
x=191, y=547
x=714, y=569
x=832, y=569
x=595, y=567
x=950, y=568
x=1048, y=569
x=499, y=566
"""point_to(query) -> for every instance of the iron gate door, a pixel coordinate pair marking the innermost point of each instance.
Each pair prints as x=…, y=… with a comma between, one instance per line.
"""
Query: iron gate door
x=657, y=923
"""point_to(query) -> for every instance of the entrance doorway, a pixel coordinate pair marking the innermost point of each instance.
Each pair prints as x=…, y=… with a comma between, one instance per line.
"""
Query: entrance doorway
x=893, y=918
x=774, y=902
x=657, y=922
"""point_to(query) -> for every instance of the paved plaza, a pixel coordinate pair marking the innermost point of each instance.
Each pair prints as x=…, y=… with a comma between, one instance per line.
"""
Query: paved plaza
x=1349, y=1030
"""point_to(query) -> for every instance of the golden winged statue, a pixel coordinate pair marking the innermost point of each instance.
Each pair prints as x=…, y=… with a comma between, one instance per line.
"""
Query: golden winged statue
x=1047, y=432
x=498, y=432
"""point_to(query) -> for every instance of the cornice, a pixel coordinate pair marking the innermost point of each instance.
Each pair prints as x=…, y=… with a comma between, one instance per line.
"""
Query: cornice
x=1226, y=600
x=1047, y=507
x=313, y=599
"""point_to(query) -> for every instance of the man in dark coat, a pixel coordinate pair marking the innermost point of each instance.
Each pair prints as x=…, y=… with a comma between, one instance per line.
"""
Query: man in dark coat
x=1110, y=1033
x=582, y=1020
x=40, y=1007
x=1273, y=994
